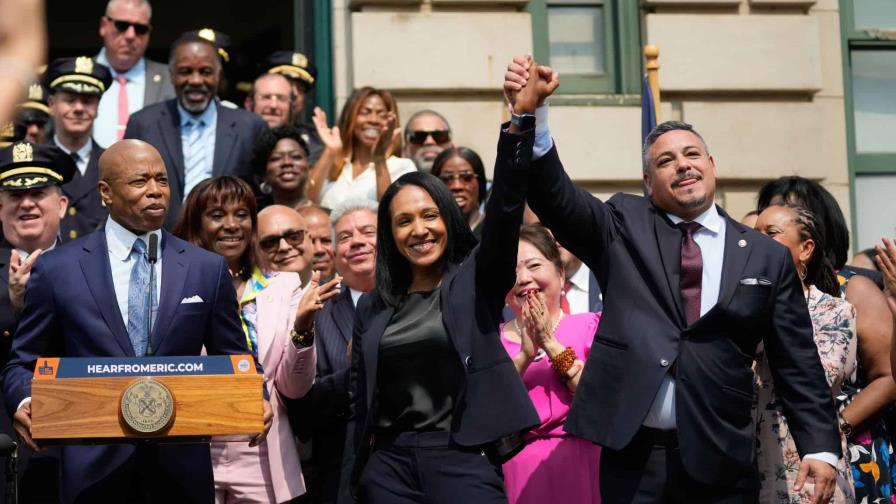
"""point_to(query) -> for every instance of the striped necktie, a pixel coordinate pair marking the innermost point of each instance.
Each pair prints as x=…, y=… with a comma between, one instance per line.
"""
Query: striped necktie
x=194, y=156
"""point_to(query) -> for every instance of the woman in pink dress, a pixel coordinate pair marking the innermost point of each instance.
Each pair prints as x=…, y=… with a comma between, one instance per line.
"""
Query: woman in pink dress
x=549, y=350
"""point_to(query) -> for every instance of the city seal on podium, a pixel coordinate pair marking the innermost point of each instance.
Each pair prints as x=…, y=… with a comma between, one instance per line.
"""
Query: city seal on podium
x=147, y=406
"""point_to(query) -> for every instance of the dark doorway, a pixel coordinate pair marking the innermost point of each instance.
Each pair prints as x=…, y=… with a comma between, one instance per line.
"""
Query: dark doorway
x=256, y=29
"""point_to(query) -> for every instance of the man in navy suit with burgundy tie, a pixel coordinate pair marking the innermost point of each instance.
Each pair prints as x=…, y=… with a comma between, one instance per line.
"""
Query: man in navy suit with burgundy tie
x=689, y=293
x=89, y=299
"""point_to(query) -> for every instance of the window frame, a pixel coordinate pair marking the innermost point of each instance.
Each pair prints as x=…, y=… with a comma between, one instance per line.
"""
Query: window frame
x=622, y=47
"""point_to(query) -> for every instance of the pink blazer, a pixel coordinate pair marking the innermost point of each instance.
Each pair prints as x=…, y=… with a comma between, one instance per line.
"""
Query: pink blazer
x=289, y=373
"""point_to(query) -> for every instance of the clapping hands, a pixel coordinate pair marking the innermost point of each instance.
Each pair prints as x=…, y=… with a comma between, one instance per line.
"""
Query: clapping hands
x=886, y=262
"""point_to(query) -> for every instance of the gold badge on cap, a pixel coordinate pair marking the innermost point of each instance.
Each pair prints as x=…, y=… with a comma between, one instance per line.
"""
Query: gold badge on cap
x=9, y=130
x=22, y=153
x=36, y=92
x=207, y=34
x=84, y=65
x=299, y=60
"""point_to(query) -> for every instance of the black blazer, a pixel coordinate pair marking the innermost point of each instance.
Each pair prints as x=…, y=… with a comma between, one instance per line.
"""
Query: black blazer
x=634, y=251
x=86, y=212
x=235, y=136
x=493, y=403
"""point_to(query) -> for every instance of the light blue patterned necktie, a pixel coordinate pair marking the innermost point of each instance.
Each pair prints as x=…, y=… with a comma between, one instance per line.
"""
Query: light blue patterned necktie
x=194, y=156
x=138, y=299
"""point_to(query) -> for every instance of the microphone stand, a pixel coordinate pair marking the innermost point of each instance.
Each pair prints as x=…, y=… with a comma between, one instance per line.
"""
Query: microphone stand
x=152, y=256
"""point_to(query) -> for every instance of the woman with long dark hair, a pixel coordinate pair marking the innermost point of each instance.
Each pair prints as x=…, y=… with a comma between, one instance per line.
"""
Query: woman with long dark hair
x=462, y=171
x=834, y=324
x=277, y=316
x=437, y=404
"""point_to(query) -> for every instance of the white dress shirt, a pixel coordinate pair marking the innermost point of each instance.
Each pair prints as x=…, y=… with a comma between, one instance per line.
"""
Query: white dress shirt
x=83, y=153
x=356, y=295
x=364, y=185
x=120, y=242
x=711, y=241
x=578, y=295
x=105, y=127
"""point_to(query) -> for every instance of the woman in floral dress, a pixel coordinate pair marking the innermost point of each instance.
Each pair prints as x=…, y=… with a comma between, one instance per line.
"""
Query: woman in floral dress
x=833, y=321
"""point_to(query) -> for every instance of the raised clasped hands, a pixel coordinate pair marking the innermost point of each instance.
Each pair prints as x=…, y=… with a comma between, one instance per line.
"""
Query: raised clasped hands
x=527, y=85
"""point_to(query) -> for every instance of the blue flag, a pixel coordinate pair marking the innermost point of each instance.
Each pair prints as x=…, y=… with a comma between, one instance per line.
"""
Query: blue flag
x=648, y=111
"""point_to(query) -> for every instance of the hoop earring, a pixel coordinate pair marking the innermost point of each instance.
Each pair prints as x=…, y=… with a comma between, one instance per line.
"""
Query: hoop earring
x=801, y=271
x=265, y=187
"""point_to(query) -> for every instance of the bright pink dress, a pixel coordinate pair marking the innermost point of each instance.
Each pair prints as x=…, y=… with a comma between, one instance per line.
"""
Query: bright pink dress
x=554, y=466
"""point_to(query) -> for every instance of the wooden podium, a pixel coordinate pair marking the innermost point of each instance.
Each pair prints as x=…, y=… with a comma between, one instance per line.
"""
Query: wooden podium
x=170, y=399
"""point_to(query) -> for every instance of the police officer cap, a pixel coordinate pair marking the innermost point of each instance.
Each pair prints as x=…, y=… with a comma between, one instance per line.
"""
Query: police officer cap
x=24, y=165
x=82, y=75
x=293, y=65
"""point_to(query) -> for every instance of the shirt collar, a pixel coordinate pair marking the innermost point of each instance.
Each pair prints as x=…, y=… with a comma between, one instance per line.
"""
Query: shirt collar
x=580, y=278
x=710, y=220
x=121, y=241
x=134, y=74
x=208, y=116
x=24, y=255
x=83, y=152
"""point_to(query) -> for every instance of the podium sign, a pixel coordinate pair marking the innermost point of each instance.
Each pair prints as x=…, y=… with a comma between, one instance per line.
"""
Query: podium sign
x=97, y=400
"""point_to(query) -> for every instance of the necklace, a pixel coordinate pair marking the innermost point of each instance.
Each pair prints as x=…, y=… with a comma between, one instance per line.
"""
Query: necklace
x=238, y=274
x=540, y=354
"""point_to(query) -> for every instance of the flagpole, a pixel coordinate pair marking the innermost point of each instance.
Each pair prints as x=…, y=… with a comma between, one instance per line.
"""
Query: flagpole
x=651, y=54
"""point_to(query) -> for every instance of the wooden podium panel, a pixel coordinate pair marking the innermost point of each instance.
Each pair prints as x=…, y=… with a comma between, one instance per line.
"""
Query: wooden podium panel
x=80, y=400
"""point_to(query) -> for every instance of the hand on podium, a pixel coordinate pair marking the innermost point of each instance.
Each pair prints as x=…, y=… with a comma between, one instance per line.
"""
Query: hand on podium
x=21, y=422
x=268, y=421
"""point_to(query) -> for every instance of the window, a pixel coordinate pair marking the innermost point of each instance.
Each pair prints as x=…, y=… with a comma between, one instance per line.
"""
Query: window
x=593, y=44
x=869, y=55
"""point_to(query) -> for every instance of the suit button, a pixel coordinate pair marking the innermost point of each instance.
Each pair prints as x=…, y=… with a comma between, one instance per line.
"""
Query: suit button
x=5, y=334
x=72, y=211
x=72, y=234
x=468, y=362
x=664, y=363
x=519, y=145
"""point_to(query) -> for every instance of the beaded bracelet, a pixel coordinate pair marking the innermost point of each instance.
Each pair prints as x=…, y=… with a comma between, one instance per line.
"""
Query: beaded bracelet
x=563, y=361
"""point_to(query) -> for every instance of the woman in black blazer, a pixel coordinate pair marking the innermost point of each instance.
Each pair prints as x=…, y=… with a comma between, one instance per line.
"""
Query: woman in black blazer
x=437, y=404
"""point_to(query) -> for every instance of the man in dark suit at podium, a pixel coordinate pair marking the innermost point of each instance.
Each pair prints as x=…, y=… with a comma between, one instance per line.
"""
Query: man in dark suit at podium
x=89, y=299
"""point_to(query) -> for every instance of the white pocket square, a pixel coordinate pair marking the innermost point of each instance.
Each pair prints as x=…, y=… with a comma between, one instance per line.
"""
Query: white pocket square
x=192, y=299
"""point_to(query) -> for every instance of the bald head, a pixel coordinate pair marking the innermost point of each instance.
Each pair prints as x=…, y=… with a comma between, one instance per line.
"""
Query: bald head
x=134, y=185
x=278, y=233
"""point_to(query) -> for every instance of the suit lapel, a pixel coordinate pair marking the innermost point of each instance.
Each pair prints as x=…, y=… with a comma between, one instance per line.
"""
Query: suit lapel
x=98, y=276
x=169, y=128
x=152, y=84
x=225, y=139
x=83, y=185
x=343, y=314
x=594, y=301
x=668, y=239
x=376, y=328
x=174, y=276
x=736, y=257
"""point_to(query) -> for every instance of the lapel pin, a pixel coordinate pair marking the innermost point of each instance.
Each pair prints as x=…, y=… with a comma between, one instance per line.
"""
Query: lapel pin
x=742, y=243
x=157, y=78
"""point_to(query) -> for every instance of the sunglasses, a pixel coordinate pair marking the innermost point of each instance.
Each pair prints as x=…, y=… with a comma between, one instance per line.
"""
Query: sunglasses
x=122, y=26
x=438, y=136
x=293, y=237
x=464, y=176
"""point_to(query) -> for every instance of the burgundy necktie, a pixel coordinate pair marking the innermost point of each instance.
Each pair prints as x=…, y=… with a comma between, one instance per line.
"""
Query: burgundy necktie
x=691, y=271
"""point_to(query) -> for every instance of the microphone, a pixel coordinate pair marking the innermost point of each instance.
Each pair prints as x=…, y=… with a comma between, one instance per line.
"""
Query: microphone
x=152, y=254
x=7, y=445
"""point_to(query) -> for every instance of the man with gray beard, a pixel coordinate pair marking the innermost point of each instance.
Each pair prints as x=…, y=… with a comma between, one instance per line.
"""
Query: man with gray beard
x=196, y=137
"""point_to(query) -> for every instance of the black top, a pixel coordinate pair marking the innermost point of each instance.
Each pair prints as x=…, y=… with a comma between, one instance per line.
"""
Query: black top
x=419, y=371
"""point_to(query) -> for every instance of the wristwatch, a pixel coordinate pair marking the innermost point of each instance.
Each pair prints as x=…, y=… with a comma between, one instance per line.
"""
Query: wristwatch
x=846, y=428
x=524, y=121
x=303, y=339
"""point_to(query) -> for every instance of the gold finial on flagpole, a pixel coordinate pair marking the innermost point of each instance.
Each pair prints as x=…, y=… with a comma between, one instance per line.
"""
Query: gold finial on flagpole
x=652, y=54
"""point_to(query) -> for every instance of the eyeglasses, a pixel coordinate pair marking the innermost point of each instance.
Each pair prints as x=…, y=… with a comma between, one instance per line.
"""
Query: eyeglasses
x=293, y=237
x=122, y=26
x=438, y=136
x=464, y=176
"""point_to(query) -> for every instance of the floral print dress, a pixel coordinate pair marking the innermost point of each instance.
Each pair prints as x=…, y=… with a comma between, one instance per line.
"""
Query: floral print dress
x=870, y=451
x=833, y=322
